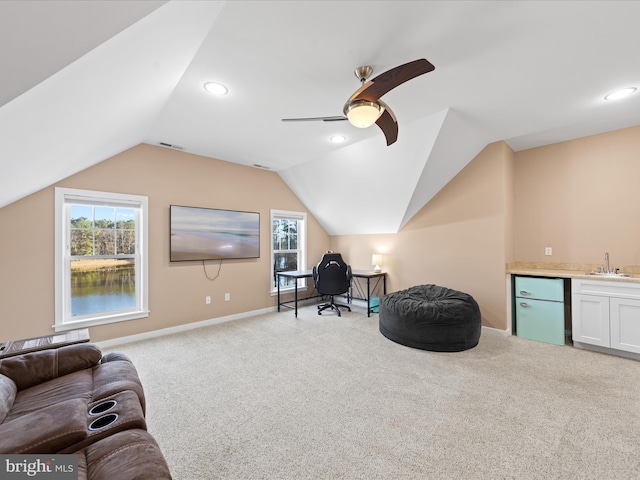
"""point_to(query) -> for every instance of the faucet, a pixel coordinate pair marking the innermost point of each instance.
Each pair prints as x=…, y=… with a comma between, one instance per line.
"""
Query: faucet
x=607, y=270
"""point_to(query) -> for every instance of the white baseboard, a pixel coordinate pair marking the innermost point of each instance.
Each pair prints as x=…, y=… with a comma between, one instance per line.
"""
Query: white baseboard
x=180, y=328
x=505, y=333
x=213, y=321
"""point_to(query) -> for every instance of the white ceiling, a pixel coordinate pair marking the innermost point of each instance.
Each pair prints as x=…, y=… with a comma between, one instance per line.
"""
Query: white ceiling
x=85, y=80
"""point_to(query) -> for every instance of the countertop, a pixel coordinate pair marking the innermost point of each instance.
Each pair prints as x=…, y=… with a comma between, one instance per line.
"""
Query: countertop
x=571, y=270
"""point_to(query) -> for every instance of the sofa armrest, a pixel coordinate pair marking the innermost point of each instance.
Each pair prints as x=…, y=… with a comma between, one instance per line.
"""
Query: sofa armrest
x=47, y=430
x=117, y=372
x=8, y=391
x=115, y=357
x=30, y=369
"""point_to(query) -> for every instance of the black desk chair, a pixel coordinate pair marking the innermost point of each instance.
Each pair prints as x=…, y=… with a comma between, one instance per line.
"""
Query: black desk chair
x=332, y=277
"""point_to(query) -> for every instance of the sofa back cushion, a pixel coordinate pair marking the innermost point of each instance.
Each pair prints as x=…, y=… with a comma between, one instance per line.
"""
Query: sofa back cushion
x=8, y=392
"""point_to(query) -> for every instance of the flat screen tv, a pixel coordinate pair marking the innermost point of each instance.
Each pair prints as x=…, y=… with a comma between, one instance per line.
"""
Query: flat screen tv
x=210, y=234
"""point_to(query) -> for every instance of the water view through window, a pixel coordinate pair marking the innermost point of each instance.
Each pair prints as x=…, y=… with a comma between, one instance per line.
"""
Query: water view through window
x=102, y=248
x=102, y=286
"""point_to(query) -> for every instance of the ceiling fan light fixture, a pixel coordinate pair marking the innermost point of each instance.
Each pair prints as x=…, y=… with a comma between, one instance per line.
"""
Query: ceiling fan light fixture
x=362, y=113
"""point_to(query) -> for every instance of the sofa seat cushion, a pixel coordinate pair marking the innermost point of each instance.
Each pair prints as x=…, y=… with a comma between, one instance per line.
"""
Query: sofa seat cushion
x=128, y=455
x=8, y=392
x=77, y=385
x=46, y=430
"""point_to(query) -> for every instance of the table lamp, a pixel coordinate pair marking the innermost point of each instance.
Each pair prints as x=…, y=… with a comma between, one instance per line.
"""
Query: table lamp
x=376, y=260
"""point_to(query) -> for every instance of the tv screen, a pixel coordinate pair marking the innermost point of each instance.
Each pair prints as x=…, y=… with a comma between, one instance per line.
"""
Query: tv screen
x=210, y=234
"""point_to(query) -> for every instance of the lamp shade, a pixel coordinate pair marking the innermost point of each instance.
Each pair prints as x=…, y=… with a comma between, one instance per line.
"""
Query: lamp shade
x=363, y=114
x=376, y=260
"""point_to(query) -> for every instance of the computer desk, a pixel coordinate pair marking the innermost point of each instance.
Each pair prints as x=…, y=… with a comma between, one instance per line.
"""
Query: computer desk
x=298, y=274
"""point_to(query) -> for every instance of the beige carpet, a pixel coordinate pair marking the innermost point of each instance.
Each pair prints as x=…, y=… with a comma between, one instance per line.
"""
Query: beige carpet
x=322, y=397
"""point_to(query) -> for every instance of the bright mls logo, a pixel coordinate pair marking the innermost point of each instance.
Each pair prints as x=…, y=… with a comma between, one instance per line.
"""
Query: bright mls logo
x=50, y=467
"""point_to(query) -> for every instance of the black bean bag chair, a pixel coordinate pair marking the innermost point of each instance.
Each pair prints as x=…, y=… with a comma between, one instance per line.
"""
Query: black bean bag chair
x=430, y=317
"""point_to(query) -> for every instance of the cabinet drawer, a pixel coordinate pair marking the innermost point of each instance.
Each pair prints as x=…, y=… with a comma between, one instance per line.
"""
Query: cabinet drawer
x=540, y=288
x=540, y=320
x=609, y=288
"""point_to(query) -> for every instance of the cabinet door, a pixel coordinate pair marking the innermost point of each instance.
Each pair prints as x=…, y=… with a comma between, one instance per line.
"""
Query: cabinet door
x=625, y=324
x=590, y=319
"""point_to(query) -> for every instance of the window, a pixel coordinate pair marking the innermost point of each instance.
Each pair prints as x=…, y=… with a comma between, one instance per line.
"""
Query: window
x=101, y=258
x=288, y=246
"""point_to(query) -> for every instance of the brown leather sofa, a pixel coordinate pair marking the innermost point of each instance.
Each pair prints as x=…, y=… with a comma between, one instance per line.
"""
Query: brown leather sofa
x=72, y=399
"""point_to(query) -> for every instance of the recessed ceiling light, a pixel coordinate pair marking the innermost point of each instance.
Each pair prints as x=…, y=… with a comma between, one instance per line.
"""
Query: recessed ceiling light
x=215, y=88
x=338, y=139
x=623, y=92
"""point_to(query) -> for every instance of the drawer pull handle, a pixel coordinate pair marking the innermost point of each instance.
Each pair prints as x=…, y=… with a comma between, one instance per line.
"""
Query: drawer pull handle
x=522, y=304
x=524, y=292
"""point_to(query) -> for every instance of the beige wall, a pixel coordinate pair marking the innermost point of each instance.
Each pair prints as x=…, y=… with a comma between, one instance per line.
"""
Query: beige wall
x=460, y=239
x=177, y=291
x=580, y=197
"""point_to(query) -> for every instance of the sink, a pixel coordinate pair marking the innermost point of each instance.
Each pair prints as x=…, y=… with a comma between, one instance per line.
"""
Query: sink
x=603, y=274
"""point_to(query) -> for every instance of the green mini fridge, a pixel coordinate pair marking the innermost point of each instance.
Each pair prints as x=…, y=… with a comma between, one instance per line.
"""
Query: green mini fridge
x=539, y=307
x=374, y=304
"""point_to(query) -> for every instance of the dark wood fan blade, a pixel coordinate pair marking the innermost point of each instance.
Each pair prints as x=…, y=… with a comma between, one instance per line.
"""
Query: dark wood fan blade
x=315, y=119
x=376, y=88
x=388, y=124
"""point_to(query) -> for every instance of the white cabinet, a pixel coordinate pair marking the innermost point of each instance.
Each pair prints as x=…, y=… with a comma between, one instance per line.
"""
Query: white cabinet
x=606, y=314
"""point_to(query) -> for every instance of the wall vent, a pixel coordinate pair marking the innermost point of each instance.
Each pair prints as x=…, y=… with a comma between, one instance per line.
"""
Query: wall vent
x=168, y=145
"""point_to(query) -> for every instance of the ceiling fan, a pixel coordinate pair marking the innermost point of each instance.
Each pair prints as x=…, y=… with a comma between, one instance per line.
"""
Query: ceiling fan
x=364, y=107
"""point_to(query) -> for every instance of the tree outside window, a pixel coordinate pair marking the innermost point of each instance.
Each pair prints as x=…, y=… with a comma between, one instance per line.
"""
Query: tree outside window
x=288, y=245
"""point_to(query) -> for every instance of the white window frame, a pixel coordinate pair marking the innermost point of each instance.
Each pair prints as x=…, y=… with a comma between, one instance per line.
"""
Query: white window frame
x=64, y=197
x=302, y=246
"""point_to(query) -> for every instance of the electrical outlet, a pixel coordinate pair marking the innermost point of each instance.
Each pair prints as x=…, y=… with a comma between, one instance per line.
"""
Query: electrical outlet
x=548, y=251
x=207, y=299
x=227, y=297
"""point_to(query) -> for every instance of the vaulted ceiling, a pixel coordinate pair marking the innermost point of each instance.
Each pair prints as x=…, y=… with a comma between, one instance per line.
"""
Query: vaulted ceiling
x=85, y=80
